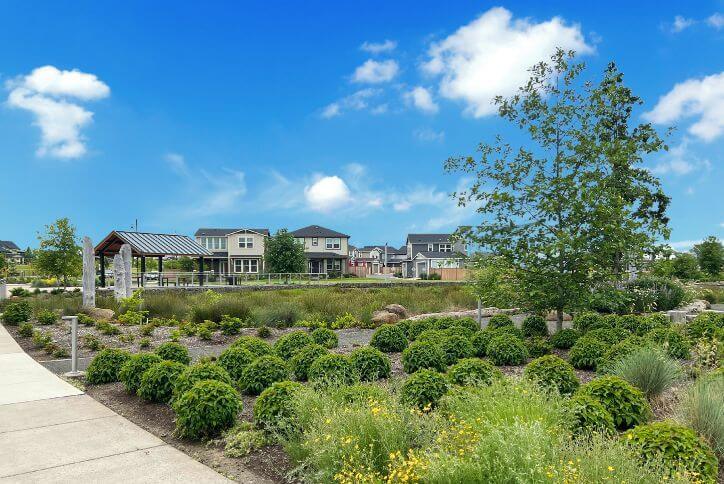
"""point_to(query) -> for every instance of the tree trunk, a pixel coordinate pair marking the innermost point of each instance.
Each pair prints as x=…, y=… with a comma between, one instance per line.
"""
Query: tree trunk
x=559, y=319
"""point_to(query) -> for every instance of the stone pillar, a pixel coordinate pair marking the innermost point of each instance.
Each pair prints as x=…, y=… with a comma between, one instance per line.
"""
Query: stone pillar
x=89, y=274
x=119, y=276
x=3, y=289
x=127, y=261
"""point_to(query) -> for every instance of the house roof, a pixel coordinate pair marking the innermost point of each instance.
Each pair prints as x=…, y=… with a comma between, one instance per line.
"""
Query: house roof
x=439, y=255
x=146, y=244
x=8, y=245
x=324, y=255
x=428, y=238
x=317, y=231
x=211, y=232
x=367, y=248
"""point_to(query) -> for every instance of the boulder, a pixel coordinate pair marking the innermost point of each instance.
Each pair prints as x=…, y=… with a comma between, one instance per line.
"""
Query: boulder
x=101, y=314
x=384, y=317
x=397, y=309
x=552, y=316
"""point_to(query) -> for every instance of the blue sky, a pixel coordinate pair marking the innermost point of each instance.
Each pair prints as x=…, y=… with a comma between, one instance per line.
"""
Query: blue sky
x=332, y=113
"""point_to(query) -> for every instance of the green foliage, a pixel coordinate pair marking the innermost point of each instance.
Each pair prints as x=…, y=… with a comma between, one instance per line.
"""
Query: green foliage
x=493, y=281
x=283, y=254
x=263, y=332
x=158, y=381
x=146, y=329
x=106, y=366
x=325, y=337
x=273, y=409
x=304, y=358
x=230, y=325
x=584, y=322
x=417, y=327
x=657, y=293
x=681, y=450
x=199, y=372
x=686, y=267
x=705, y=325
x=26, y=330
x=59, y=254
x=107, y=328
x=506, y=349
x=626, y=404
x=710, y=255
x=565, y=338
x=206, y=409
x=174, y=352
x=291, y=343
x=610, y=336
x=15, y=313
x=262, y=372
x=144, y=343
x=332, y=370
x=46, y=317
x=619, y=350
x=212, y=306
x=389, y=338
x=346, y=320
x=241, y=440
x=586, y=353
x=132, y=370
x=256, y=346
x=234, y=359
x=204, y=331
x=131, y=317
x=455, y=347
x=431, y=336
x=41, y=338
x=552, y=372
x=648, y=369
x=499, y=320
x=468, y=324
x=534, y=325
x=672, y=341
x=480, y=341
x=370, y=364
x=423, y=355
x=85, y=320
x=586, y=416
x=472, y=371
x=423, y=389
x=703, y=411
x=538, y=346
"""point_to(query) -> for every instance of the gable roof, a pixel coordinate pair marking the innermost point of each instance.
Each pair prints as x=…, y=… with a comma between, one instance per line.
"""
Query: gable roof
x=429, y=238
x=147, y=244
x=317, y=231
x=8, y=245
x=211, y=232
x=440, y=255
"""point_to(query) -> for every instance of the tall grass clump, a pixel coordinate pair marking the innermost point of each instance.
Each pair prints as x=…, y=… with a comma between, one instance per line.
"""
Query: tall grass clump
x=648, y=369
x=703, y=410
x=166, y=304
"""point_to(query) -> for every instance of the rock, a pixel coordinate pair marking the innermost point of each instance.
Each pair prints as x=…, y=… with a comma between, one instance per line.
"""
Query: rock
x=552, y=316
x=119, y=277
x=384, y=317
x=127, y=257
x=101, y=314
x=397, y=309
x=89, y=274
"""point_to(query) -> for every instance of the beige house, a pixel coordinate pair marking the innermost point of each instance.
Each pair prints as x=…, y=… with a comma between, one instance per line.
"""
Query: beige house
x=236, y=251
x=327, y=251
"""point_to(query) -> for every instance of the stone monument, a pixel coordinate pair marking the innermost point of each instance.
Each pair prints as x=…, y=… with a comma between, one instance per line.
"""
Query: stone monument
x=89, y=274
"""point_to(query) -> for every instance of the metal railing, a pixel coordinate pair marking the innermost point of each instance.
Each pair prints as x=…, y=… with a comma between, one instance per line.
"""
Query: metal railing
x=211, y=278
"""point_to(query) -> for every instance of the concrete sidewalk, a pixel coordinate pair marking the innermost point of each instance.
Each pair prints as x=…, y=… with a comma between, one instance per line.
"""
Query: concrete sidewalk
x=51, y=432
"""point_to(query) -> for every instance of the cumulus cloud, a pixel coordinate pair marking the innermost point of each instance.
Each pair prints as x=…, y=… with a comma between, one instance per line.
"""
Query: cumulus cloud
x=681, y=23
x=429, y=135
x=357, y=101
x=491, y=55
x=52, y=96
x=699, y=98
x=421, y=98
x=376, y=72
x=378, y=47
x=716, y=20
x=327, y=193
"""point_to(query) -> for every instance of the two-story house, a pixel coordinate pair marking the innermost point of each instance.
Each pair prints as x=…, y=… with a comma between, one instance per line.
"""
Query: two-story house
x=327, y=251
x=432, y=251
x=12, y=252
x=236, y=251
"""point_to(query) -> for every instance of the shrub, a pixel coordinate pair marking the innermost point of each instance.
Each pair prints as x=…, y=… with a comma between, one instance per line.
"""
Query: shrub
x=469, y=324
x=157, y=382
x=16, y=313
x=432, y=336
x=370, y=363
x=132, y=317
x=211, y=306
x=651, y=322
x=206, y=409
x=626, y=404
x=234, y=359
x=144, y=343
x=499, y=320
x=552, y=372
x=199, y=372
x=506, y=349
x=455, y=347
x=132, y=370
x=587, y=321
x=85, y=320
x=534, y=326
x=146, y=329
x=610, y=336
x=538, y=346
x=415, y=328
x=289, y=344
x=263, y=332
x=301, y=362
x=262, y=372
x=705, y=325
x=665, y=293
x=472, y=371
x=345, y=321
x=585, y=416
x=256, y=346
x=463, y=331
x=273, y=409
x=619, y=350
x=703, y=411
x=672, y=341
x=480, y=342
x=205, y=331
x=631, y=322
x=241, y=440
x=423, y=389
x=649, y=370
x=325, y=337
x=332, y=370
x=511, y=330
x=106, y=365
x=389, y=338
x=41, y=338
x=586, y=353
x=680, y=449
x=174, y=352
x=230, y=326
x=423, y=355
x=26, y=330
x=19, y=292
x=46, y=317
x=283, y=314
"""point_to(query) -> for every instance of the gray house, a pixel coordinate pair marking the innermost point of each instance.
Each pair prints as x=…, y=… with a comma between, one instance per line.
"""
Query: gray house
x=11, y=252
x=326, y=250
x=238, y=251
x=432, y=251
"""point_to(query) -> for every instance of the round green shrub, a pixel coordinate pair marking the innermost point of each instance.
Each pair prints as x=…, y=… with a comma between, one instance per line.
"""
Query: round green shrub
x=325, y=337
x=16, y=313
x=26, y=330
x=370, y=363
x=262, y=373
x=587, y=321
x=672, y=341
x=534, y=325
x=610, y=336
x=455, y=347
x=626, y=403
x=301, y=362
x=263, y=332
x=585, y=416
x=499, y=320
x=199, y=372
x=404, y=326
x=332, y=370
x=432, y=335
x=651, y=322
x=538, y=346
x=206, y=409
x=618, y=351
x=469, y=324
x=553, y=372
x=423, y=389
x=630, y=322
x=565, y=338
x=463, y=331
x=158, y=382
x=472, y=371
x=423, y=355
x=586, y=353
x=480, y=342
x=273, y=409
x=416, y=327
x=234, y=359
x=132, y=370
x=506, y=349
x=46, y=317
x=289, y=344
x=106, y=366
x=389, y=338
x=705, y=325
x=173, y=352
x=679, y=448
x=256, y=346
x=512, y=330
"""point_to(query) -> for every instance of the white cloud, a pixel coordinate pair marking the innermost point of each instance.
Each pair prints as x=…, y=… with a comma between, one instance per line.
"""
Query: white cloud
x=452, y=215
x=701, y=98
x=376, y=72
x=354, y=102
x=51, y=94
x=680, y=23
x=222, y=193
x=716, y=20
x=429, y=135
x=177, y=163
x=421, y=98
x=680, y=161
x=683, y=245
x=491, y=55
x=419, y=195
x=327, y=193
x=378, y=47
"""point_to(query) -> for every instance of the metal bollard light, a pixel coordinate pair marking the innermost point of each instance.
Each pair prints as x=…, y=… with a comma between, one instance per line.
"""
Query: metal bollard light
x=73, y=373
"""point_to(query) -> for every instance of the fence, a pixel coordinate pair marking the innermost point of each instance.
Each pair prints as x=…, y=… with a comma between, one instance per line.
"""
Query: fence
x=450, y=273
x=209, y=278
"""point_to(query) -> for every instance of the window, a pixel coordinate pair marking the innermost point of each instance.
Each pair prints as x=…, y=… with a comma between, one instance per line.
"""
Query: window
x=333, y=243
x=445, y=247
x=246, y=242
x=430, y=247
x=213, y=243
x=300, y=240
x=237, y=265
x=250, y=265
x=315, y=241
x=334, y=265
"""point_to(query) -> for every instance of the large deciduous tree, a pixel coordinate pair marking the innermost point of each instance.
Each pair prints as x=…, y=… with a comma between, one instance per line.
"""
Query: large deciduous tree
x=710, y=254
x=570, y=208
x=59, y=253
x=283, y=254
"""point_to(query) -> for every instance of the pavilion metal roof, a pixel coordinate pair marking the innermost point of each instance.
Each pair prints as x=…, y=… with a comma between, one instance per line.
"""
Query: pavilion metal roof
x=147, y=244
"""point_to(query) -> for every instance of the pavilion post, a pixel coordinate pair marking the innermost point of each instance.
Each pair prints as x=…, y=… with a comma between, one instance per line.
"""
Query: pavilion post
x=102, y=257
x=160, y=270
x=143, y=271
x=201, y=271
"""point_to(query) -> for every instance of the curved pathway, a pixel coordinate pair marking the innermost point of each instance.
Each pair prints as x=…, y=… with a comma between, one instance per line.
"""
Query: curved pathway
x=52, y=432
